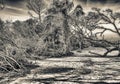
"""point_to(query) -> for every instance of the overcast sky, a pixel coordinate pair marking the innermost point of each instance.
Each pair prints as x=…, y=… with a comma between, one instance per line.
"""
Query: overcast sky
x=16, y=9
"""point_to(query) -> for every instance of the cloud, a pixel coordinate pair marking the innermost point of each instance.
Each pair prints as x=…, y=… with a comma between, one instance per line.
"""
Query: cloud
x=100, y=2
x=16, y=3
x=14, y=10
x=14, y=13
x=18, y=7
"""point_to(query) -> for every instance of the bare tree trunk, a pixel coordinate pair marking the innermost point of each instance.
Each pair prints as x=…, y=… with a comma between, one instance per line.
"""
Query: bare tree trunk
x=40, y=18
x=66, y=35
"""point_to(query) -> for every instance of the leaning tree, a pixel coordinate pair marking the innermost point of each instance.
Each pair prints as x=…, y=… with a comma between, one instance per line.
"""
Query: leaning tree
x=103, y=21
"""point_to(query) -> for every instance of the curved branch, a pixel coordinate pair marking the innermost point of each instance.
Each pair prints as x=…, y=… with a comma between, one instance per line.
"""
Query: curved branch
x=106, y=29
x=117, y=30
x=109, y=51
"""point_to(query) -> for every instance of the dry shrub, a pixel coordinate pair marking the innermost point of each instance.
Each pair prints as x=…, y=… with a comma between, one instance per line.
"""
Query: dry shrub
x=15, y=59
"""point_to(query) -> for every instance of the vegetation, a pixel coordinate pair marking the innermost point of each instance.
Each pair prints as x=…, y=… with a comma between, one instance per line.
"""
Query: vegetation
x=100, y=20
x=60, y=32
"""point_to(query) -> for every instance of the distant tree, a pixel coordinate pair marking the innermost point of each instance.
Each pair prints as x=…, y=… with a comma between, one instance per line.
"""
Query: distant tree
x=25, y=29
x=36, y=6
x=2, y=4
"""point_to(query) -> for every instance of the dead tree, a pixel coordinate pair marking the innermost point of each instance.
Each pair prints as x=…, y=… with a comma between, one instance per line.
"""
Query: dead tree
x=36, y=6
x=100, y=19
x=95, y=20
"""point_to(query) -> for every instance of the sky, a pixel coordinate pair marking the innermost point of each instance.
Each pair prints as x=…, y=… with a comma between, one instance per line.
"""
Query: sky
x=14, y=10
x=17, y=10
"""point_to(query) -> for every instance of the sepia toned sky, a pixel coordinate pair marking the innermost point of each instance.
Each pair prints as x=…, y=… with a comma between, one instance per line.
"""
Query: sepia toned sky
x=16, y=9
